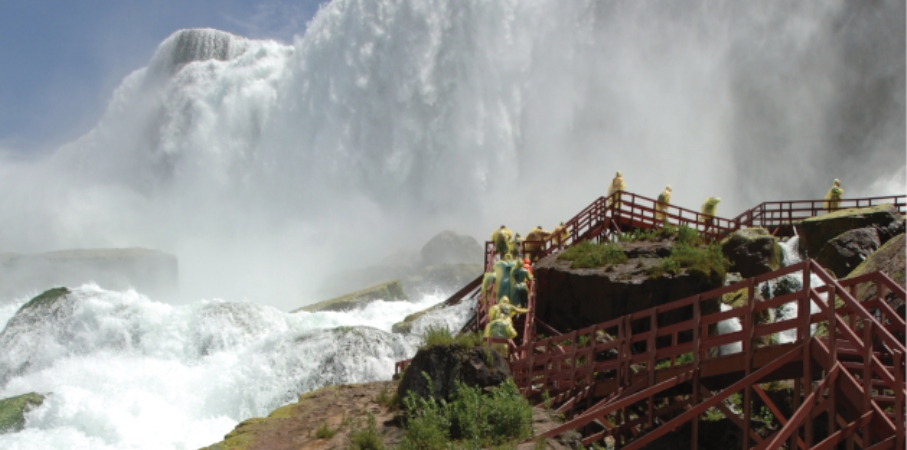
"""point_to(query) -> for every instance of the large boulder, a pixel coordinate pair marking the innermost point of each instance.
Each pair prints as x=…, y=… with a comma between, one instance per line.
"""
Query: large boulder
x=571, y=299
x=815, y=232
x=444, y=365
x=752, y=251
x=451, y=248
x=13, y=410
x=890, y=259
x=846, y=251
x=390, y=291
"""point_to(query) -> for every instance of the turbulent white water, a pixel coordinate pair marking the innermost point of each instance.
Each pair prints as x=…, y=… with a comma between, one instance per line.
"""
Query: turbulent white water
x=125, y=372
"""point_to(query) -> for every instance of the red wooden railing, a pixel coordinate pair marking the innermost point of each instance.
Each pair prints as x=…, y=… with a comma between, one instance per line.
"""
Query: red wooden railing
x=565, y=364
x=858, y=343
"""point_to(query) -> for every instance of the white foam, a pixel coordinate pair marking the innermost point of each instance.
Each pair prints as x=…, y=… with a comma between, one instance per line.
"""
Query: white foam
x=126, y=372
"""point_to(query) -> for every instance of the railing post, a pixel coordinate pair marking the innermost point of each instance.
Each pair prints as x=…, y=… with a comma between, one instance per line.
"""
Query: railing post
x=697, y=318
x=833, y=351
x=653, y=328
x=748, y=331
x=804, y=314
x=867, y=379
x=899, y=399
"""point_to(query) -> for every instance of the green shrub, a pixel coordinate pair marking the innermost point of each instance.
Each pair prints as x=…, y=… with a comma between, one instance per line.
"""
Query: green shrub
x=387, y=400
x=441, y=336
x=589, y=255
x=471, y=418
x=324, y=432
x=367, y=439
x=695, y=259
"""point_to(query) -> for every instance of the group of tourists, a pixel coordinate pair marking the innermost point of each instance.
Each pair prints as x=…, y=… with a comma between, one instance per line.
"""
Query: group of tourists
x=709, y=208
x=511, y=272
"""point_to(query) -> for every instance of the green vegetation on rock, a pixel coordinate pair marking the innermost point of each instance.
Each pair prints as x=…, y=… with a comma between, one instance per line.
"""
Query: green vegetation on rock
x=441, y=336
x=13, y=410
x=389, y=291
x=471, y=418
x=46, y=298
x=680, y=234
x=587, y=255
x=707, y=260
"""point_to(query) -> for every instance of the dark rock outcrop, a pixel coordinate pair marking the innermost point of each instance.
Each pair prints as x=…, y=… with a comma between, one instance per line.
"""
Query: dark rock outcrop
x=846, y=251
x=444, y=365
x=889, y=258
x=13, y=410
x=150, y=272
x=570, y=299
x=390, y=291
x=752, y=251
x=815, y=232
x=451, y=248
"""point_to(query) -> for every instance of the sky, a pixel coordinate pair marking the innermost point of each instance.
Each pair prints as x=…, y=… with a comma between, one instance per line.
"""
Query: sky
x=62, y=59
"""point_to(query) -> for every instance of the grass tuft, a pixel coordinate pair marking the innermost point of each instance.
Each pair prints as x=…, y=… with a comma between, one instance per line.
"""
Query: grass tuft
x=324, y=432
x=587, y=255
x=441, y=336
x=368, y=438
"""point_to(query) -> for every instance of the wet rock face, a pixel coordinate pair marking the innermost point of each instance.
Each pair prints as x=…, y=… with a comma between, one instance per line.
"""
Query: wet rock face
x=815, y=232
x=752, y=251
x=448, y=247
x=445, y=365
x=13, y=410
x=571, y=299
x=889, y=258
x=845, y=252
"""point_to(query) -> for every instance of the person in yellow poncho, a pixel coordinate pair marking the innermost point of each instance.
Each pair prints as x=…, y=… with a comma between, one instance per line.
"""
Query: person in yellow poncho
x=834, y=196
x=533, y=242
x=661, y=207
x=502, y=238
x=617, y=185
x=709, y=209
x=561, y=234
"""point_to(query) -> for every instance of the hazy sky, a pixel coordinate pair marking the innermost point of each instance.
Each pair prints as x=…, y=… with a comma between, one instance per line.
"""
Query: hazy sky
x=62, y=60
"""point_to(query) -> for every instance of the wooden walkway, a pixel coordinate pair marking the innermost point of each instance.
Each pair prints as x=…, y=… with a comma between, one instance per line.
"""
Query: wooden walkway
x=844, y=360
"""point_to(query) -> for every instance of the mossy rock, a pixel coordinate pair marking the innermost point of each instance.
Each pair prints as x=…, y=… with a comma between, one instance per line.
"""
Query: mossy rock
x=13, y=410
x=752, y=251
x=889, y=258
x=46, y=298
x=406, y=325
x=816, y=231
x=389, y=291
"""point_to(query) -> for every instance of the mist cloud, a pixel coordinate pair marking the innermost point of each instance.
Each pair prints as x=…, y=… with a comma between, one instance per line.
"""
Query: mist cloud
x=265, y=166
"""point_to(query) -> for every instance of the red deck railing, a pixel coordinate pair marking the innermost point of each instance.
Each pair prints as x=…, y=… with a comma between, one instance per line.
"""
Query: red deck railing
x=862, y=356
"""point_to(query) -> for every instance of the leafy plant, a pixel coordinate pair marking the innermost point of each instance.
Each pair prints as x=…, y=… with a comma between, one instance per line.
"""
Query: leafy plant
x=324, y=432
x=368, y=438
x=471, y=418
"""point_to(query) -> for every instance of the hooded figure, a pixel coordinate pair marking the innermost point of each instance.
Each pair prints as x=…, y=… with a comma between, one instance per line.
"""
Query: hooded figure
x=709, y=208
x=560, y=234
x=617, y=185
x=834, y=196
x=534, y=242
x=502, y=238
x=661, y=208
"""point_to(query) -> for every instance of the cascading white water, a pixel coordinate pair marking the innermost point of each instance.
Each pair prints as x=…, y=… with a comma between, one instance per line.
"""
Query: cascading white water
x=729, y=326
x=127, y=372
